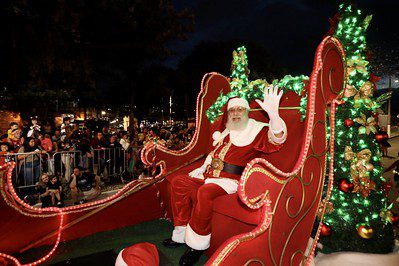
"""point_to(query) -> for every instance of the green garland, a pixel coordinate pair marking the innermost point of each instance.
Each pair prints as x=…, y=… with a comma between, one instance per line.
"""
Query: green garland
x=251, y=90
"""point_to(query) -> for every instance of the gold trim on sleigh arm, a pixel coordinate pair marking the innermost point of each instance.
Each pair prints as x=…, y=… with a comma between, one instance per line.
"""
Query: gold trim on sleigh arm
x=268, y=181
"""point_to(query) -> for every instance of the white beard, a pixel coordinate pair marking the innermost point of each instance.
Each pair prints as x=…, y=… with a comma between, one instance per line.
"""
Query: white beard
x=237, y=125
x=241, y=137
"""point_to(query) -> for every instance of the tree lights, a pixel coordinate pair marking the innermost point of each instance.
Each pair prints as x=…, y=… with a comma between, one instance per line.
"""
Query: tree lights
x=358, y=196
x=251, y=90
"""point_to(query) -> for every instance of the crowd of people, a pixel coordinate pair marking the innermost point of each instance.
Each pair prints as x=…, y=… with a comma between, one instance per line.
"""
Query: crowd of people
x=55, y=163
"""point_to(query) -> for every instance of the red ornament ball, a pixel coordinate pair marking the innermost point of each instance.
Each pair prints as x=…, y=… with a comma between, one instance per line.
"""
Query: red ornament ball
x=349, y=122
x=325, y=230
x=345, y=185
x=381, y=137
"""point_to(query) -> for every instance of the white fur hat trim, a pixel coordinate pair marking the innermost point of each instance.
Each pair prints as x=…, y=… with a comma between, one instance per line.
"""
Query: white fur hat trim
x=237, y=102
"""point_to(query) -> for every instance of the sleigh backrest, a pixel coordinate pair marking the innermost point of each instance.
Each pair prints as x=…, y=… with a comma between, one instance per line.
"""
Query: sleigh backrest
x=287, y=185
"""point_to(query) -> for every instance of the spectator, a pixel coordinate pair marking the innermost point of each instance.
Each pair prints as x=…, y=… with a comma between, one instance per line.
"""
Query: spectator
x=43, y=192
x=4, y=150
x=55, y=189
x=34, y=127
x=115, y=153
x=13, y=126
x=83, y=145
x=67, y=158
x=65, y=125
x=47, y=128
x=16, y=141
x=29, y=161
x=106, y=133
x=99, y=141
x=83, y=180
x=46, y=142
x=57, y=137
x=125, y=143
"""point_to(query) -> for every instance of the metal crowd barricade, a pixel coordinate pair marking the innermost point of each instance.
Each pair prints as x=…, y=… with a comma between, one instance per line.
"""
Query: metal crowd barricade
x=108, y=162
x=63, y=162
x=29, y=167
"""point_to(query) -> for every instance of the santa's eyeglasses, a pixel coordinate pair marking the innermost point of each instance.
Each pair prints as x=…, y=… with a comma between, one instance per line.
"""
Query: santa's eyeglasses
x=236, y=110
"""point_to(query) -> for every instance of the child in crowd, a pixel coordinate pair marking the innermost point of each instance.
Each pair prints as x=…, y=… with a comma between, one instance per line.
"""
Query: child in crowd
x=3, y=151
x=16, y=140
x=55, y=188
x=13, y=125
x=43, y=191
x=34, y=127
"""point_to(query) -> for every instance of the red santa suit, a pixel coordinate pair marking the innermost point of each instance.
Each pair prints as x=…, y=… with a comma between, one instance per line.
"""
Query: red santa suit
x=192, y=198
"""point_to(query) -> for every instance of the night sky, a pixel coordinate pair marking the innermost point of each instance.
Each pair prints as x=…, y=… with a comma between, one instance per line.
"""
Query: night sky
x=289, y=29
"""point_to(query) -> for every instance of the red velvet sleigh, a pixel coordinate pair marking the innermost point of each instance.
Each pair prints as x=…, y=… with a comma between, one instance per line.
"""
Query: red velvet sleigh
x=269, y=220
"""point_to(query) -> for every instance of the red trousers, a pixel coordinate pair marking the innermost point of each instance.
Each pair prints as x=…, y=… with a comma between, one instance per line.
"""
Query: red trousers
x=192, y=202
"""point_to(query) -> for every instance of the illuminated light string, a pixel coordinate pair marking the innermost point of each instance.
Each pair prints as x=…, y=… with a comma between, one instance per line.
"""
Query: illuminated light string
x=78, y=208
x=57, y=211
x=330, y=179
x=126, y=190
x=11, y=166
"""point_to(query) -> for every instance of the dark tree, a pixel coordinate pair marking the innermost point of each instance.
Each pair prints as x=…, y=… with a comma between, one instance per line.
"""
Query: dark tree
x=90, y=51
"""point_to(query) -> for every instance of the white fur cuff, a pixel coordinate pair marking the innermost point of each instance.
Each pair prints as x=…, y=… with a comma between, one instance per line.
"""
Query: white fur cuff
x=272, y=137
x=178, y=234
x=196, y=241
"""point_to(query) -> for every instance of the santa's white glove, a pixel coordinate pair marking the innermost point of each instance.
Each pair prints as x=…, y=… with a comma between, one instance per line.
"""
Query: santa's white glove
x=271, y=101
x=270, y=104
x=199, y=172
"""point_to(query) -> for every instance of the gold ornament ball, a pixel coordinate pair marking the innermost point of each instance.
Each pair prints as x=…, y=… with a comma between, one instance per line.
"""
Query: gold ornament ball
x=365, y=231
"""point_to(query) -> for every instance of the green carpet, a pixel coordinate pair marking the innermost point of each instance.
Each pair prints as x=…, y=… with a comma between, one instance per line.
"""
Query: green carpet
x=102, y=248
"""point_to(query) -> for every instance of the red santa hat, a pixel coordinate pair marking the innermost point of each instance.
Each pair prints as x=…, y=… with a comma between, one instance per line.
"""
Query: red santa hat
x=141, y=254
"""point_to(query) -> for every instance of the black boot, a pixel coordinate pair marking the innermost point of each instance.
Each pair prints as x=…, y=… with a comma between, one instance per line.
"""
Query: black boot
x=190, y=257
x=171, y=244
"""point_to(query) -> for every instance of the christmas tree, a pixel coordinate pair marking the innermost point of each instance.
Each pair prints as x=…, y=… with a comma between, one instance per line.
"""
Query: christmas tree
x=241, y=86
x=357, y=216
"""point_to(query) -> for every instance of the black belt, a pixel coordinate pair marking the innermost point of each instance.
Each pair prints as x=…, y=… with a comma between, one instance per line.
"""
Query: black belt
x=233, y=169
x=218, y=164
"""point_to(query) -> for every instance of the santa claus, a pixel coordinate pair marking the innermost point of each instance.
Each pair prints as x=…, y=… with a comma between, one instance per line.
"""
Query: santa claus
x=243, y=140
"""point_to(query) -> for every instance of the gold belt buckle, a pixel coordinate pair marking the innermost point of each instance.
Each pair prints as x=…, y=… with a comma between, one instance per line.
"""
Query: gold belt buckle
x=217, y=164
